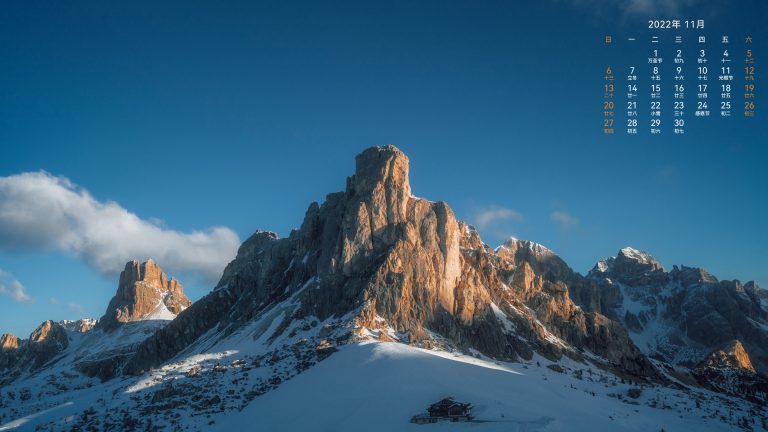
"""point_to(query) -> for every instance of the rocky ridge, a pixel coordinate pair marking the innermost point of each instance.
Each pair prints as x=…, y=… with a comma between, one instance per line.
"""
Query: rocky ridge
x=404, y=263
x=145, y=300
x=677, y=316
x=730, y=370
x=17, y=356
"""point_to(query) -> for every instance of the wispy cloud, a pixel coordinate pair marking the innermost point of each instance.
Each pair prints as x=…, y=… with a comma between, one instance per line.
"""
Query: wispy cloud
x=488, y=216
x=39, y=211
x=659, y=9
x=71, y=306
x=564, y=220
x=75, y=307
x=645, y=7
x=12, y=288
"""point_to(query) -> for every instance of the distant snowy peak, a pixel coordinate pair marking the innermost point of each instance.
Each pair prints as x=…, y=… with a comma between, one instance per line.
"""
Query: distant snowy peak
x=79, y=326
x=638, y=256
x=628, y=263
x=514, y=245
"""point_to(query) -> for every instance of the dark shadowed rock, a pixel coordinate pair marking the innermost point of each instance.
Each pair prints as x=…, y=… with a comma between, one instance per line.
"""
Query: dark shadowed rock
x=46, y=342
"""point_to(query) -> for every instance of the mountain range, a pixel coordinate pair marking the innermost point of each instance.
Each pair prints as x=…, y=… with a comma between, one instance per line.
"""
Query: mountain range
x=381, y=303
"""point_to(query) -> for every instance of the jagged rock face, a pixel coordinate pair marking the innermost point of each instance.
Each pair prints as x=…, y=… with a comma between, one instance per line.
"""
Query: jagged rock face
x=45, y=342
x=632, y=266
x=732, y=356
x=678, y=316
x=144, y=292
x=99, y=348
x=545, y=282
x=729, y=370
x=9, y=342
x=396, y=260
x=9, y=347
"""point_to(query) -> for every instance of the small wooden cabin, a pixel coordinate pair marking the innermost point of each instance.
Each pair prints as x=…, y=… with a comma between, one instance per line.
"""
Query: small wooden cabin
x=446, y=409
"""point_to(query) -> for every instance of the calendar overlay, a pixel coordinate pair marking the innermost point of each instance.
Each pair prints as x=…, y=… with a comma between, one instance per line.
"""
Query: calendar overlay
x=677, y=76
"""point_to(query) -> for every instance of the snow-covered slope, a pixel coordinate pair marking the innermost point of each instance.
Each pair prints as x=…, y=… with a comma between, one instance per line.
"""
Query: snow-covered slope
x=379, y=386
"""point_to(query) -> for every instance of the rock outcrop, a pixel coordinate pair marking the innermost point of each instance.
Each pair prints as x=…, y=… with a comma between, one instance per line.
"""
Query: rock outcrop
x=144, y=292
x=49, y=339
x=145, y=301
x=9, y=351
x=46, y=342
x=9, y=342
x=729, y=370
x=731, y=356
x=678, y=316
x=395, y=261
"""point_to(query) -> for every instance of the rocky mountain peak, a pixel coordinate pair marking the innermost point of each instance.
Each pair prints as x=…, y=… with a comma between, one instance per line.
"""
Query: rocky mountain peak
x=381, y=168
x=692, y=275
x=46, y=341
x=148, y=272
x=8, y=342
x=638, y=257
x=394, y=264
x=515, y=245
x=47, y=331
x=9, y=349
x=736, y=351
x=731, y=356
x=538, y=257
x=631, y=266
x=144, y=292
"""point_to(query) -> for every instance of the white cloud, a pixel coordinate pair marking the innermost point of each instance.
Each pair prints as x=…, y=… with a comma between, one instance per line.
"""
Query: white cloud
x=486, y=217
x=12, y=288
x=39, y=211
x=566, y=221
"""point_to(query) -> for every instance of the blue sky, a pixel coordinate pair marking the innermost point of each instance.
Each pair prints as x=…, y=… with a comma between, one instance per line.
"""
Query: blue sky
x=192, y=124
